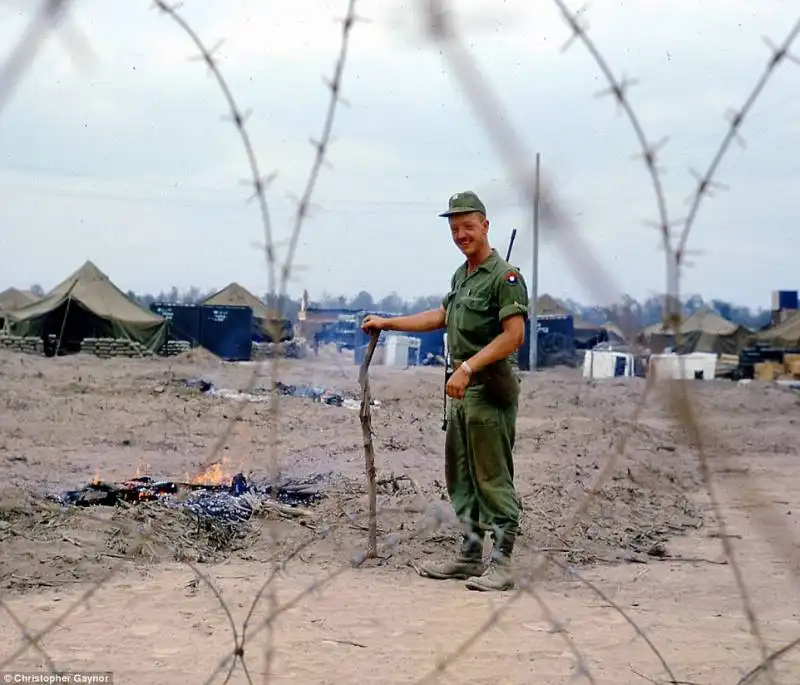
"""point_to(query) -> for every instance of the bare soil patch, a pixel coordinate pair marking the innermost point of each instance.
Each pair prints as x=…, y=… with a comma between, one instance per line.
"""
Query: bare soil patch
x=67, y=421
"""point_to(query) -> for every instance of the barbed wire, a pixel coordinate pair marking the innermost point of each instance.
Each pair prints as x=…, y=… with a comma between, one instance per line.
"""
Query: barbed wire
x=259, y=185
x=502, y=135
x=50, y=13
x=500, y=132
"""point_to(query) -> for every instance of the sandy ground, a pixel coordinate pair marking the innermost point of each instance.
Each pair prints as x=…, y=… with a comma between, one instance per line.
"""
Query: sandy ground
x=649, y=541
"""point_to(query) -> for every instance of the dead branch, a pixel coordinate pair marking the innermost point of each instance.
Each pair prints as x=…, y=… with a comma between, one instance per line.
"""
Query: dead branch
x=284, y=510
x=369, y=449
x=394, y=481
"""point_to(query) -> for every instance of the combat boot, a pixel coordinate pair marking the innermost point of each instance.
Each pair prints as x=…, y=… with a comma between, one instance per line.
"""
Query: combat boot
x=499, y=576
x=468, y=562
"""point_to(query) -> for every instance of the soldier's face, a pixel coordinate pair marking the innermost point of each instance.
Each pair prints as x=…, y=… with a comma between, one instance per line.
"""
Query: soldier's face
x=469, y=232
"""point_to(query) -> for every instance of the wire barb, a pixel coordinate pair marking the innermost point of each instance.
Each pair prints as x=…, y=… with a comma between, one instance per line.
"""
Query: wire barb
x=321, y=144
x=779, y=54
x=441, y=25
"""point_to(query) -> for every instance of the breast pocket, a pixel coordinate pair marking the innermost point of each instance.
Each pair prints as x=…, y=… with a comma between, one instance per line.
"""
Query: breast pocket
x=477, y=316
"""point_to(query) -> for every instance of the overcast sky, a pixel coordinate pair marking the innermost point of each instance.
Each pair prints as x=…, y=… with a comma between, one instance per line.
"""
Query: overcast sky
x=122, y=156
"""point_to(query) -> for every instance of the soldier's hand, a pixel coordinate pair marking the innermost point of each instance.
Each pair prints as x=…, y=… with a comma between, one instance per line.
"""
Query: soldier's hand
x=373, y=323
x=457, y=385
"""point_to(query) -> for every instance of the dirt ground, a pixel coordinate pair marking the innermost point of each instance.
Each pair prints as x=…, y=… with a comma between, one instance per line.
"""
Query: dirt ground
x=167, y=589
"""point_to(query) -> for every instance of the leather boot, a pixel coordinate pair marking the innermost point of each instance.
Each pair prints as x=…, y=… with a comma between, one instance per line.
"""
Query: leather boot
x=499, y=576
x=468, y=562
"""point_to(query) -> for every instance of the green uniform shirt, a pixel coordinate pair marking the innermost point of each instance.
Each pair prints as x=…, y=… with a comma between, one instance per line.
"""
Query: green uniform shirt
x=478, y=302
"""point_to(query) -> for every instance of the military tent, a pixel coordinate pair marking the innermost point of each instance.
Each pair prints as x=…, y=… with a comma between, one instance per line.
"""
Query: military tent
x=12, y=299
x=267, y=320
x=614, y=332
x=587, y=334
x=785, y=334
x=89, y=305
x=702, y=331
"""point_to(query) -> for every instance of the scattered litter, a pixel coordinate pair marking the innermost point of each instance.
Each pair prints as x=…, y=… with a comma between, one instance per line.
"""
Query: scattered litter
x=322, y=395
x=315, y=394
x=200, y=384
x=238, y=395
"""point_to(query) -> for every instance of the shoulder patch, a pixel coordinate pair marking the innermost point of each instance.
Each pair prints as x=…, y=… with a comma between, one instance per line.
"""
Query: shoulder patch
x=511, y=277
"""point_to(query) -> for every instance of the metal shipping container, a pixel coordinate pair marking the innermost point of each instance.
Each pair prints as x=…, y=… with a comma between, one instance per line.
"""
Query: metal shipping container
x=430, y=343
x=227, y=331
x=784, y=299
x=184, y=320
x=555, y=340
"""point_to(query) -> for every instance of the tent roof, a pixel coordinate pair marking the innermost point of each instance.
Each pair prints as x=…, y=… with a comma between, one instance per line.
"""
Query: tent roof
x=13, y=298
x=788, y=330
x=708, y=321
x=546, y=305
x=237, y=295
x=613, y=329
x=653, y=329
x=93, y=289
x=704, y=320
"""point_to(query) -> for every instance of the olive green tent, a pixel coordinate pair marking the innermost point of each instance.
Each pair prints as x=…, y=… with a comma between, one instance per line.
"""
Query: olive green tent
x=12, y=299
x=785, y=334
x=702, y=331
x=89, y=305
x=268, y=321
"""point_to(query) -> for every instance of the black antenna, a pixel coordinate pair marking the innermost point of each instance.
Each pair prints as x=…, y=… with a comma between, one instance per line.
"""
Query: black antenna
x=511, y=244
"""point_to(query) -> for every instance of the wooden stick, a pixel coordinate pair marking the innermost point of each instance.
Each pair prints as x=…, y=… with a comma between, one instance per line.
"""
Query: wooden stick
x=369, y=449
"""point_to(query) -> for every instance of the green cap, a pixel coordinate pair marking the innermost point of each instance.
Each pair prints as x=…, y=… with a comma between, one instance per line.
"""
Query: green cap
x=464, y=203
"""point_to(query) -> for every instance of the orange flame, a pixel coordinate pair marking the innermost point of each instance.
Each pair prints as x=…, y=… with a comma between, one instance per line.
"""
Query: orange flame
x=216, y=474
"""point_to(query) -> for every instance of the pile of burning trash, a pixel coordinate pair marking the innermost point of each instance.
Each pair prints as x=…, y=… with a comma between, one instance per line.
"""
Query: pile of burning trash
x=211, y=495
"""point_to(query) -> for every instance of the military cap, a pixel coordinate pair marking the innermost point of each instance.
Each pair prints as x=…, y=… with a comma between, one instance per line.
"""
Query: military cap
x=464, y=203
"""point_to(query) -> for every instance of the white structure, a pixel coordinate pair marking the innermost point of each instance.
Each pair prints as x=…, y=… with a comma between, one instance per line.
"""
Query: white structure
x=397, y=350
x=694, y=366
x=608, y=364
x=414, y=347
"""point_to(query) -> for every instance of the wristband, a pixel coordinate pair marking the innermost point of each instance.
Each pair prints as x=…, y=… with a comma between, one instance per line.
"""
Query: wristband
x=466, y=368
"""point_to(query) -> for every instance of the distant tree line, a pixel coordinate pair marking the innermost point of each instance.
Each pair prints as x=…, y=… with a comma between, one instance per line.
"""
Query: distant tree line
x=635, y=313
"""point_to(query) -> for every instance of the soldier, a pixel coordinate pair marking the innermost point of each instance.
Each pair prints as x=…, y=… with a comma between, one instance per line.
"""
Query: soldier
x=484, y=314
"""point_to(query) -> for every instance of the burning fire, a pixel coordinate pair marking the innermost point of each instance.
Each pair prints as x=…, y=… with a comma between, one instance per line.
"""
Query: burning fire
x=219, y=473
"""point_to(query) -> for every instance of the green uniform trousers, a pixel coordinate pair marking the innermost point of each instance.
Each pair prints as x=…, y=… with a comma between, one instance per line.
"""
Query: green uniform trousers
x=479, y=466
